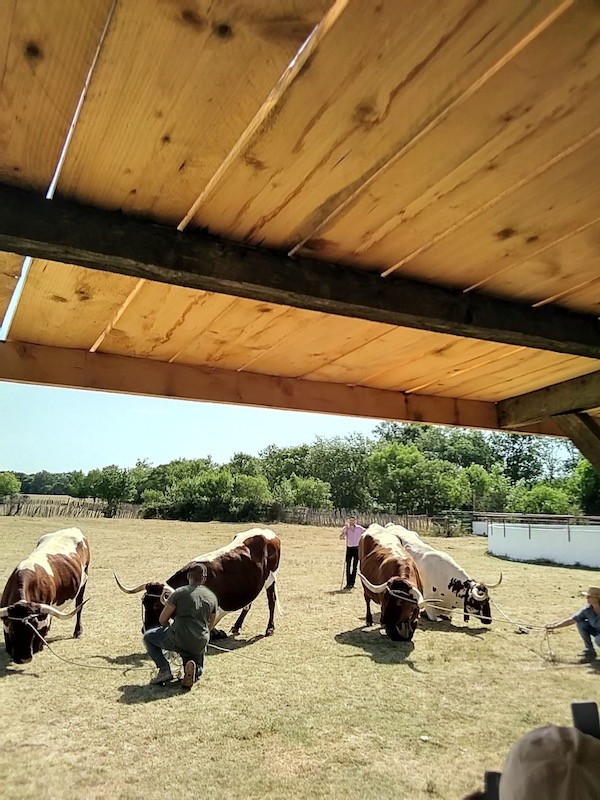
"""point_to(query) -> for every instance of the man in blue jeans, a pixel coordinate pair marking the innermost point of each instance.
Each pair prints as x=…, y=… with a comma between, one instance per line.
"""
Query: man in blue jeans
x=192, y=610
x=588, y=624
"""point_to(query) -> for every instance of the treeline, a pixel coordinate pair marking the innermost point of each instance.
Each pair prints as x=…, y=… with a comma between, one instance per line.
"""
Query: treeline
x=399, y=469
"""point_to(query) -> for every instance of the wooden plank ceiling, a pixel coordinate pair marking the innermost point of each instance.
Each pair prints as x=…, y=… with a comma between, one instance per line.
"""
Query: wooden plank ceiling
x=454, y=143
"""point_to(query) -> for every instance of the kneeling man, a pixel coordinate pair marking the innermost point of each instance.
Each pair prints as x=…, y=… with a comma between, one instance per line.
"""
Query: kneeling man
x=588, y=624
x=191, y=610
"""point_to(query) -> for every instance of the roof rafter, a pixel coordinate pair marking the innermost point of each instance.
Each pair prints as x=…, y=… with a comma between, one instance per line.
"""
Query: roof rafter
x=79, y=369
x=577, y=394
x=66, y=232
x=584, y=432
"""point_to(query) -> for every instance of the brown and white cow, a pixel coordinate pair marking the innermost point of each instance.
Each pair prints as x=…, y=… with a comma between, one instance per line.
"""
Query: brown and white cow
x=391, y=579
x=447, y=585
x=236, y=573
x=55, y=573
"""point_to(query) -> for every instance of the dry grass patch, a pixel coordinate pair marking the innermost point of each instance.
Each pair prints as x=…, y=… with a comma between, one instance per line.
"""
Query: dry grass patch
x=325, y=708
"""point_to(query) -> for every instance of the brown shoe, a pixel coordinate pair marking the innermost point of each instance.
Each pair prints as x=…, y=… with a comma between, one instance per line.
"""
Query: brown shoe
x=189, y=675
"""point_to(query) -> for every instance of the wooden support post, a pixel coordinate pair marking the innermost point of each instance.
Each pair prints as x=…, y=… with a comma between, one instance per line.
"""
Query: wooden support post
x=584, y=432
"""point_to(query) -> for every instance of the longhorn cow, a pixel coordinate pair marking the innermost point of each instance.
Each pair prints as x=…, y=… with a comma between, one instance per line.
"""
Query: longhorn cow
x=391, y=579
x=236, y=573
x=446, y=584
x=54, y=574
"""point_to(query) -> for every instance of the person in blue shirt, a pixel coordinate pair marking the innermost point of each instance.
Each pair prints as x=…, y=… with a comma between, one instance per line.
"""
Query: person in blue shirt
x=588, y=624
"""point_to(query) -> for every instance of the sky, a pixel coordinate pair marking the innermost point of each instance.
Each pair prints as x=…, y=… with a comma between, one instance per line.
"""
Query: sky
x=60, y=430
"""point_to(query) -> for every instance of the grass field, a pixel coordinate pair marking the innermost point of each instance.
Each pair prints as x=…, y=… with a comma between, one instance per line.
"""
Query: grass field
x=325, y=708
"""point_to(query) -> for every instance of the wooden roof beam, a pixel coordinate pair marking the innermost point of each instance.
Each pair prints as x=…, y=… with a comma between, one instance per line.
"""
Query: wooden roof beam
x=577, y=394
x=584, y=432
x=80, y=369
x=62, y=231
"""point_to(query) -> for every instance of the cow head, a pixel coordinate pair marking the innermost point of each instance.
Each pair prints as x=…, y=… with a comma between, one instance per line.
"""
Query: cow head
x=477, y=600
x=400, y=605
x=153, y=600
x=21, y=620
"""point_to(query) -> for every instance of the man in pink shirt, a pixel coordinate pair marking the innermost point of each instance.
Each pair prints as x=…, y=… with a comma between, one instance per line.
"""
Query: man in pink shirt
x=351, y=532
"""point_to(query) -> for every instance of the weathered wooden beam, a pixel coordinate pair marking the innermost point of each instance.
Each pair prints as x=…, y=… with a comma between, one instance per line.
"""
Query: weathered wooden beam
x=584, y=432
x=577, y=394
x=66, y=232
x=80, y=369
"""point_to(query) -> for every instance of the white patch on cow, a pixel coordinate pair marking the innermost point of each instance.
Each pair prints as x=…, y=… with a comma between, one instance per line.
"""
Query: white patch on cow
x=386, y=538
x=63, y=543
x=437, y=570
x=238, y=540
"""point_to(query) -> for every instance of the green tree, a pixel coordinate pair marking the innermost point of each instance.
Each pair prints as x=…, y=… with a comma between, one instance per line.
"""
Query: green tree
x=281, y=462
x=539, y=499
x=479, y=484
x=584, y=487
x=342, y=462
x=521, y=456
x=140, y=475
x=406, y=482
x=90, y=484
x=307, y=492
x=115, y=485
x=249, y=495
x=9, y=484
x=244, y=464
x=201, y=497
x=497, y=492
x=165, y=475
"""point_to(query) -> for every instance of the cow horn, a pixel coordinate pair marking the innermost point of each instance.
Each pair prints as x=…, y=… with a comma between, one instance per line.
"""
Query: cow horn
x=376, y=588
x=479, y=594
x=494, y=585
x=134, y=590
x=165, y=594
x=3, y=612
x=54, y=612
x=418, y=597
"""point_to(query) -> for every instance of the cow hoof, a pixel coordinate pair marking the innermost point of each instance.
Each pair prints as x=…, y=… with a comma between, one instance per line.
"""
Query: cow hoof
x=217, y=633
x=234, y=631
x=269, y=631
x=77, y=634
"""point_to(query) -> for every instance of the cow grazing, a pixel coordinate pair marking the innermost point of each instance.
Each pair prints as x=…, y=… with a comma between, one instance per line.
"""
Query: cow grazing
x=391, y=579
x=55, y=573
x=236, y=573
x=446, y=584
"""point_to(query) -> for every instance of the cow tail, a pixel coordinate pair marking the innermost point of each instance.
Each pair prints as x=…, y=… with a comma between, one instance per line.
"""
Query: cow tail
x=272, y=581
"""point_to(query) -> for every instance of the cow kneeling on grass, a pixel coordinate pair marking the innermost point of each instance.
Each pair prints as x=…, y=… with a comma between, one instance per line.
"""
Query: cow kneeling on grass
x=54, y=574
x=391, y=579
x=447, y=585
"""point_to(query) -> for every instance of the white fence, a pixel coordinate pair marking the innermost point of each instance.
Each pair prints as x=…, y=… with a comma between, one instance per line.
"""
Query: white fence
x=560, y=543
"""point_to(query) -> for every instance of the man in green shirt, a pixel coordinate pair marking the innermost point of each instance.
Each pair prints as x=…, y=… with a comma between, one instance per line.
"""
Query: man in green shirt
x=192, y=610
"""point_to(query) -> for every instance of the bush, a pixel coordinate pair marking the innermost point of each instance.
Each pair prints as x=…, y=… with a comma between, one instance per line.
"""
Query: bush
x=9, y=484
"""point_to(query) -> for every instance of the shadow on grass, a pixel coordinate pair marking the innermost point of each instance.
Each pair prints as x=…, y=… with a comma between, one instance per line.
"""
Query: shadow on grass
x=129, y=660
x=231, y=644
x=380, y=648
x=134, y=694
x=541, y=562
x=8, y=667
x=446, y=626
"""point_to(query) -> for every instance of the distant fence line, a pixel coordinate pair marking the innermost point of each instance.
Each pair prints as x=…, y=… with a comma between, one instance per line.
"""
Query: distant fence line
x=53, y=506
x=337, y=517
x=63, y=507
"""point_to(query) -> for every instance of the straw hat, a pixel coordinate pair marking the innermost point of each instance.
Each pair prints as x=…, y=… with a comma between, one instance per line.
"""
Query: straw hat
x=552, y=762
x=593, y=590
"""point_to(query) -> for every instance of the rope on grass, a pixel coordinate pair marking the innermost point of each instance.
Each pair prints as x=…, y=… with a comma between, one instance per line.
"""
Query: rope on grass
x=80, y=663
x=123, y=670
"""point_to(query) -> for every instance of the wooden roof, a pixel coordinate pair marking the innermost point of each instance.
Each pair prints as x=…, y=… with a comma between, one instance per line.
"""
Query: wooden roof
x=455, y=144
